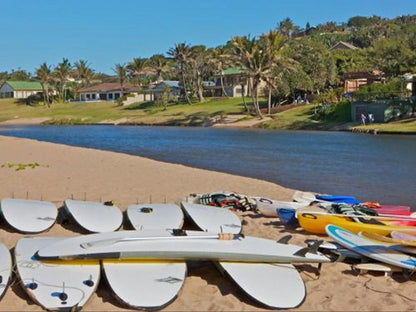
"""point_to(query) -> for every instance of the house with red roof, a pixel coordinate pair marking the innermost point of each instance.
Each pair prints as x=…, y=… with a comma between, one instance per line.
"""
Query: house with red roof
x=109, y=91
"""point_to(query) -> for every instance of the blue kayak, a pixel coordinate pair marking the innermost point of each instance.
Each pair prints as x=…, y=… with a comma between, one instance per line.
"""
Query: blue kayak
x=338, y=199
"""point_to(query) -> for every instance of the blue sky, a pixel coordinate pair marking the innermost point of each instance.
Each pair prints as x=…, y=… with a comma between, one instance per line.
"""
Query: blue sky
x=106, y=32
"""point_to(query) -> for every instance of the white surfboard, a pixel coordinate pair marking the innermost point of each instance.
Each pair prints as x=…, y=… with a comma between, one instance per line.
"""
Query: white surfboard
x=29, y=216
x=268, y=207
x=388, y=269
x=213, y=219
x=148, y=284
x=150, y=245
x=94, y=217
x=155, y=216
x=304, y=197
x=5, y=269
x=277, y=286
x=371, y=249
x=54, y=286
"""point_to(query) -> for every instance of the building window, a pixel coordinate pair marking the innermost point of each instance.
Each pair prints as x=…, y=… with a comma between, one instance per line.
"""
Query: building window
x=110, y=96
x=93, y=96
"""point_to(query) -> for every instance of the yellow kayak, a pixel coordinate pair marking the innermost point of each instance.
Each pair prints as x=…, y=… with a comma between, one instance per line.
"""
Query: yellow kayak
x=315, y=222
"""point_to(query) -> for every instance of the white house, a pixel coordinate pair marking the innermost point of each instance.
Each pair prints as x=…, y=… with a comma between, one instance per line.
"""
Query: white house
x=19, y=89
x=175, y=89
x=109, y=91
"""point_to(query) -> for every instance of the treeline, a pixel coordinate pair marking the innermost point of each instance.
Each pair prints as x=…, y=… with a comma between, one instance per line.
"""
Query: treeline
x=280, y=64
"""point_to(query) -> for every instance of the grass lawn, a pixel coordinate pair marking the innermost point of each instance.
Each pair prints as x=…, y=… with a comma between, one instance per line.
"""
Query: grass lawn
x=400, y=126
x=140, y=113
x=300, y=118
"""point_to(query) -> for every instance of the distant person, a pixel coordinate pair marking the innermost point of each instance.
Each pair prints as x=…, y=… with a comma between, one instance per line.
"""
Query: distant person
x=370, y=118
x=363, y=118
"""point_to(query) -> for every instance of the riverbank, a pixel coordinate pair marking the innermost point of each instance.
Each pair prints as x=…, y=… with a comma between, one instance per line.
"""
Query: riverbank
x=215, y=112
x=66, y=171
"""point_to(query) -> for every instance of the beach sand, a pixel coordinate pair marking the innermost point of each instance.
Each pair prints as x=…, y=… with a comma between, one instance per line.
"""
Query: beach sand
x=66, y=172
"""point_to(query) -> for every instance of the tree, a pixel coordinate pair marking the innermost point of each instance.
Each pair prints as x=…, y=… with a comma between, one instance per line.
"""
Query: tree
x=254, y=61
x=43, y=73
x=136, y=68
x=181, y=53
x=315, y=61
x=219, y=58
x=121, y=72
x=287, y=28
x=163, y=98
x=83, y=72
x=272, y=44
x=61, y=73
x=158, y=64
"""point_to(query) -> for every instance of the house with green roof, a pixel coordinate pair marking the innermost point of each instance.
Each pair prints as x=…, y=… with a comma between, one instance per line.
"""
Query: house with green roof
x=233, y=81
x=19, y=89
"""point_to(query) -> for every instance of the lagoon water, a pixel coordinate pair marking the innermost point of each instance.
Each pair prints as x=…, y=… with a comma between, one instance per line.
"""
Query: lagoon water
x=372, y=168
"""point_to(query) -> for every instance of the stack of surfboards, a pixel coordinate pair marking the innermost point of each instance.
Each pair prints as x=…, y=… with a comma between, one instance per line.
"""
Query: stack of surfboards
x=94, y=217
x=28, y=216
x=367, y=245
x=257, y=280
x=255, y=264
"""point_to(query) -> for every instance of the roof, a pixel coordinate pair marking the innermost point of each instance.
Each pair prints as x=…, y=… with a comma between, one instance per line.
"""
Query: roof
x=375, y=74
x=232, y=71
x=24, y=85
x=343, y=45
x=109, y=86
x=170, y=83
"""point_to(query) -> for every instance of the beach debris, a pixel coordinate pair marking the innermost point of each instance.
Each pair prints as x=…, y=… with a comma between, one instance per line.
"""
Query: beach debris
x=20, y=166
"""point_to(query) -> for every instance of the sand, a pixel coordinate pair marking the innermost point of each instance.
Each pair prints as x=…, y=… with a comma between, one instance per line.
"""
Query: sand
x=66, y=172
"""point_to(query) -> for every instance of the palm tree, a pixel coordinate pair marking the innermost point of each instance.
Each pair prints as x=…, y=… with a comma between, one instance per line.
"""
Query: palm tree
x=61, y=73
x=272, y=44
x=121, y=72
x=158, y=64
x=137, y=67
x=220, y=59
x=44, y=75
x=255, y=64
x=83, y=72
x=181, y=53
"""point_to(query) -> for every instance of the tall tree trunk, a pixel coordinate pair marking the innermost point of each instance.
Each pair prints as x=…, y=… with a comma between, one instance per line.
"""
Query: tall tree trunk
x=244, y=98
x=269, y=101
x=222, y=86
x=184, y=88
x=199, y=88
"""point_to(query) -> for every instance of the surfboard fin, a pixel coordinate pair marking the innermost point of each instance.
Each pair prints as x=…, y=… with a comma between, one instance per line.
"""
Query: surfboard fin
x=311, y=249
x=285, y=239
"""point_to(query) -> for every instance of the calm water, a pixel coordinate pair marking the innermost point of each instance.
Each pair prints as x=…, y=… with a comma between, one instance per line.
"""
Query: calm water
x=377, y=168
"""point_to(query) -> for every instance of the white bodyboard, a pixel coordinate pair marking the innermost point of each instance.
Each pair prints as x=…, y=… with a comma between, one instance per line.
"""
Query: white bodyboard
x=46, y=282
x=29, y=216
x=145, y=285
x=94, y=217
x=213, y=219
x=5, y=269
x=155, y=216
x=273, y=285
